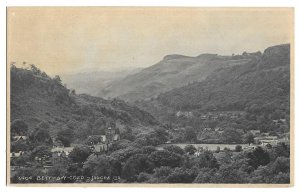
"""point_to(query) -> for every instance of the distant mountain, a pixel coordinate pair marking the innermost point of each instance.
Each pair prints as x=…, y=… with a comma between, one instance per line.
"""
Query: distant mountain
x=94, y=81
x=172, y=72
x=36, y=98
x=260, y=87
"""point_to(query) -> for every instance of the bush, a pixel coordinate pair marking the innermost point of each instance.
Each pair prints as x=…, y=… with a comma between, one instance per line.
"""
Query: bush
x=181, y=175
x=238, y=148
x=135, y=165
x=174, y=149
x=80, y=153
x=165, y=158
x=18, y=127
x=190, y=149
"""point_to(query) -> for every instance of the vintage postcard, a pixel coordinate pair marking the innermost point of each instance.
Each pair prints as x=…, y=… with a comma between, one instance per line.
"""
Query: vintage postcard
x=150, y=96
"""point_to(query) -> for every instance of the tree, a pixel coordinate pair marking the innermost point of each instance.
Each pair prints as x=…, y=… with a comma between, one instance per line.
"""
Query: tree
x=43, y=125
x=41, y=135
x=190, y=149
x=57, y=171
x=238, y=148
x=19, y=146
x=161, y=136
x=174, y=149
x=160, y=174
x=80, y=153
x=122, y=155
x=135, y=165
x=19, y=127
x=206, y=159
x=205, y=175
x=148, y=150
x=228, y=174
x=282, y=149
x=23, y=160
x=281, y=164
x=127, y=134
x=231, y=135
x=41, y=153
x=102, y=166
x=143, y=177
x=249, y=138
x=190, y=134
x=181, y=175
x=165, y=158
x=258, y=157
x=35, y=70
x=66, y=136
x=57, y=79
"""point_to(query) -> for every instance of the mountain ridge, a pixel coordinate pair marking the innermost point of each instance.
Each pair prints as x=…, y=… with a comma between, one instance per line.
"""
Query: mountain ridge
x=171, y=72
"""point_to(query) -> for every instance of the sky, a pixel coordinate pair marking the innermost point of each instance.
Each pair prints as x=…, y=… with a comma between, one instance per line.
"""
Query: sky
x=68, y=40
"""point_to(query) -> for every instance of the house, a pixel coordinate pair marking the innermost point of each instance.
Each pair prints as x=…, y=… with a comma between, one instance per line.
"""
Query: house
x=272, y=140
x=100, y=147
x=116, y=137
x=265, y=134
x=179, y=113
x=62, y=150
x=250, y=147
x=16, y=154
x=214, y=117
x=207, y=129
x=275, y=121
x=103, y=138
x=217, y=129
x=265, y=142
x=257, y=140
x=203, y=117
x=255, y=132
x=283, y=120
x=271, y=137
x=107, y=140
x=19, y=138
x=197, y=153
x=187, y=114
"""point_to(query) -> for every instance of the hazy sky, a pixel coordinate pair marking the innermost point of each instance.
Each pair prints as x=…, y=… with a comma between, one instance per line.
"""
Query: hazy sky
x=69, y=40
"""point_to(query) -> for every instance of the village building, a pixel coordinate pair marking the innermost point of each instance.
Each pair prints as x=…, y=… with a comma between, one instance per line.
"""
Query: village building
x=187, y=114
x=264, y=140
x=107, y=141
x=16, y=154
x=62, y=151
x=19, y=138
x=255, y=132
x=214, y=117
x=204, y=117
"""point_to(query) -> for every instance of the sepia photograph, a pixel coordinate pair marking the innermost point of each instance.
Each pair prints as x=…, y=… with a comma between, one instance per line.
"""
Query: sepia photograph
x=150, y=96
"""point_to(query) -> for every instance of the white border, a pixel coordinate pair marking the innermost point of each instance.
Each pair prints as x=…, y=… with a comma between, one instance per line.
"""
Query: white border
x=173, y=3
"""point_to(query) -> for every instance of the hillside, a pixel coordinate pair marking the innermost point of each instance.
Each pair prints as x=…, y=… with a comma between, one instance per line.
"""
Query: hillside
x=260, y=88
x=93, y=82
x=36, y=98
x=262, y=81
x=172, y=72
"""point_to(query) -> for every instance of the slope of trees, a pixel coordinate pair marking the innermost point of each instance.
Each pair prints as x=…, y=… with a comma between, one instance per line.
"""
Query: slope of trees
x=260, y=86
x=39, y=101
